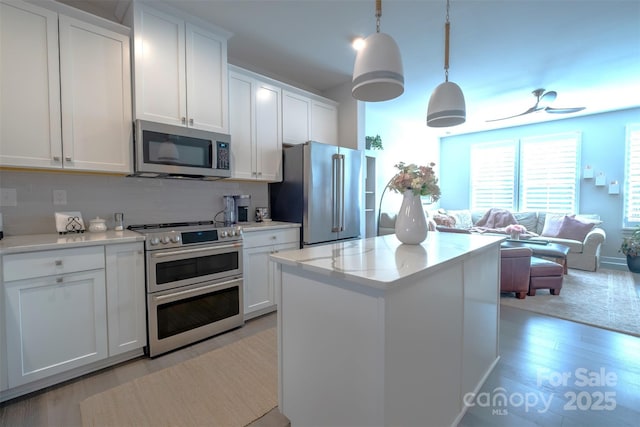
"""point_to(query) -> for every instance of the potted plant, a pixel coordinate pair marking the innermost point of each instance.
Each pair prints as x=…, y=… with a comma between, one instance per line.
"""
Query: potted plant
x=373, y=142
x=631, y=248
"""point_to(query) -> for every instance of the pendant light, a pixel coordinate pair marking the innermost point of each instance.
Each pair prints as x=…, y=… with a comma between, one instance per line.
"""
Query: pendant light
x=446, y=106
x=377, y=73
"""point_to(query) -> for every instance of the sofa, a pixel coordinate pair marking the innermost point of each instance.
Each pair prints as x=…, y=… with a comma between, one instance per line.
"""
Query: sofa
x=581, y=233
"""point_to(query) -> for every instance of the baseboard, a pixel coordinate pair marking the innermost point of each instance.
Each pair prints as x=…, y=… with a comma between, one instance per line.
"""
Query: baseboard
x=613, y=263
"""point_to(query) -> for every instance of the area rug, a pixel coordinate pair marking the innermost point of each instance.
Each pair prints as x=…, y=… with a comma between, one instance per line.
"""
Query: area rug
x=230, y=386
x=606, y=299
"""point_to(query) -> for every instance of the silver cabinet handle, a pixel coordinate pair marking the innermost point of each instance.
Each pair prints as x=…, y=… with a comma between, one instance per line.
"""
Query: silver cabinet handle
x=56, y=158
x=191, y=122
x=183, y=120
x=59, y=279
x=68, y=158
x=58, y=262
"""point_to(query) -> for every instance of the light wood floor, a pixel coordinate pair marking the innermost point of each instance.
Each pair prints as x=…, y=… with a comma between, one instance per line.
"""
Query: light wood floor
x=534, y=349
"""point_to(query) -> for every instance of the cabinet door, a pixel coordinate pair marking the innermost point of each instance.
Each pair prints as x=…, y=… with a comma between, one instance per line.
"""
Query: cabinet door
x=30, y=133
x=268, y=132
x=258, y=286
x=126, y=314
x=54, y=324
x=296, y=118
x=96, y=97
x=324, y=123
x=241, y=119
x=159, y=52
x=207, y=99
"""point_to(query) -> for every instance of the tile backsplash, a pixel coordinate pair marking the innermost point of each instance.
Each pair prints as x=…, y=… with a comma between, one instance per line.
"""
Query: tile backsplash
x=142, y=200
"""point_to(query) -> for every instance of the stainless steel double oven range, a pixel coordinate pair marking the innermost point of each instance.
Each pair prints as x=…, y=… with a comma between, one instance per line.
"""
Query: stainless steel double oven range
x=193, y=282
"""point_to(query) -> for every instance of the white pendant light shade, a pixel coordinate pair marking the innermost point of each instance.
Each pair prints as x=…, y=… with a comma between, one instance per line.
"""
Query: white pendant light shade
x=377, y=73
x=446, y=106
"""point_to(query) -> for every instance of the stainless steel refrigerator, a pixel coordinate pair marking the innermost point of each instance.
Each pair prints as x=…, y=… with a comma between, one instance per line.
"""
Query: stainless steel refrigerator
x=321, y=189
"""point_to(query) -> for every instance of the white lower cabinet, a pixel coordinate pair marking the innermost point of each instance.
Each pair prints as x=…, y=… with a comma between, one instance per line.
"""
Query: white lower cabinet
x=126, y=316
x=54, y=323
x=261, y=276
x=69, y=308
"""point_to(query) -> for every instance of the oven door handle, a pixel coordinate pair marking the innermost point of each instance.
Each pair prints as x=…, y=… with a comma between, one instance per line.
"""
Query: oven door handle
x=195, y=251
x=195, y=290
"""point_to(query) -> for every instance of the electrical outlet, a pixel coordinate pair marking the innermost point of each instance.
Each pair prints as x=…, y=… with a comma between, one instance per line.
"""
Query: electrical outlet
x=59, y=197
x=8, y=197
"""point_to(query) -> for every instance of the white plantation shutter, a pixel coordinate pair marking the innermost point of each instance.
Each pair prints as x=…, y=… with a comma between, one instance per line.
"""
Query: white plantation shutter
x=549, y=173
x=632, y=177
x=493, y=174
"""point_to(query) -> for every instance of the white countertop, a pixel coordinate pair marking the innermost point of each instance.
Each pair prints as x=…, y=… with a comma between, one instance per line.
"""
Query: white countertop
x=41, y=242
x=382, y=262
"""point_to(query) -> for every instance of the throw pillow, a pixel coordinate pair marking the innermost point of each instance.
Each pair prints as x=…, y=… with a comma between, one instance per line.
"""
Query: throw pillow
x=462, y=217
x=444, y=219
x=527, y=219
x=574, y=229
x=552, y=224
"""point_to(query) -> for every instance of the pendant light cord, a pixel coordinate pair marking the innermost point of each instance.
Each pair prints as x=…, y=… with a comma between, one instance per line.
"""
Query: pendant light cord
x=378, y=14
x=447, y=28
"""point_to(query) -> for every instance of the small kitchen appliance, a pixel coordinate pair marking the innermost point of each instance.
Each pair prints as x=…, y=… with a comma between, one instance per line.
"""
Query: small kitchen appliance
x=167, y=151
x=229, y=210
x=242, y=207
x=193, y=282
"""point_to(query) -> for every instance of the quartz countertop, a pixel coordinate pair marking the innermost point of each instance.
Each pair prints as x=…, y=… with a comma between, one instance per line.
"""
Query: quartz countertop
x=41, y=242
x=382, y=262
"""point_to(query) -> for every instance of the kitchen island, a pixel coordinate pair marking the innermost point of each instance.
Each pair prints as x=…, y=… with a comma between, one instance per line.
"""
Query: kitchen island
x=373, y=332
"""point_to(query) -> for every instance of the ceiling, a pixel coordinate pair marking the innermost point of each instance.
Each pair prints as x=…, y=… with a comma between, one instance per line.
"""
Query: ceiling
x=586, y=50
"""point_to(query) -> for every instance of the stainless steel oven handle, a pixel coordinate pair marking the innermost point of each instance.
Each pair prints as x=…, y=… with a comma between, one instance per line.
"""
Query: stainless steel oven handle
x=194, y=251
x=195, y=290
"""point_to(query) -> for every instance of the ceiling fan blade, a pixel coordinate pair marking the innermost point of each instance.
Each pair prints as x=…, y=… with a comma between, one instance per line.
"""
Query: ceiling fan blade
x=546, y=99
x=563, y=110
x=529, y=111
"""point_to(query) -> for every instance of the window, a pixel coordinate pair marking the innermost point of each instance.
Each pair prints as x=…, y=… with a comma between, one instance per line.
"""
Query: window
x=493, y=172
x=632, y=177
x=536, y=173
x=549, y=173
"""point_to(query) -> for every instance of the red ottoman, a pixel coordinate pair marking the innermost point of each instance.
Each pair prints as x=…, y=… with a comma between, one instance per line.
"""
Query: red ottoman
x=545, y=274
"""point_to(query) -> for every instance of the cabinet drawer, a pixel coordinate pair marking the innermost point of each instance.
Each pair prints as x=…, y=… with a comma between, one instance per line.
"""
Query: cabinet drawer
x=254, y=239
x=50, y=263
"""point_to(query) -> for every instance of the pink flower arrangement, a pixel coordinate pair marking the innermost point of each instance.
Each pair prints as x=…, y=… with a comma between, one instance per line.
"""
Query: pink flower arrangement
x=420, y=179
x=515, y=228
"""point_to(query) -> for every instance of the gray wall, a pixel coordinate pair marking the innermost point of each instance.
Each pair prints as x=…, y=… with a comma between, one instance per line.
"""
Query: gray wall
x=142, y=200
x=603, y=147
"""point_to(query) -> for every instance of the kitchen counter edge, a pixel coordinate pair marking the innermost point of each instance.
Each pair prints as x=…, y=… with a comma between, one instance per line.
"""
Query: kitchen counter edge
x=271, y=225
x=43, y=242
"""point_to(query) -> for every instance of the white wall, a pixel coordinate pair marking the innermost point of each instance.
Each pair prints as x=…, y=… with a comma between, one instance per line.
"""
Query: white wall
x=142, y=200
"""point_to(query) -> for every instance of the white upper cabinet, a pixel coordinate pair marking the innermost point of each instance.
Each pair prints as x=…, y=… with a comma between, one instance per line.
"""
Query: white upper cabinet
x=96, y=97
x=66, y=92
x=296, y=118
x=304, y=118
x=324, y=122
x=180, y=71
x=30, y=128
x=255, y=123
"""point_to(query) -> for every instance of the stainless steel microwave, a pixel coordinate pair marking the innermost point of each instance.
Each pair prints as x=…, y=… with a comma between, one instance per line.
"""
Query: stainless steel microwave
x=170, y=151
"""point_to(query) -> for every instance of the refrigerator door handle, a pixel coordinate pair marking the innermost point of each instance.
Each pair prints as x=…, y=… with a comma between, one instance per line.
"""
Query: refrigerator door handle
x=338, y=193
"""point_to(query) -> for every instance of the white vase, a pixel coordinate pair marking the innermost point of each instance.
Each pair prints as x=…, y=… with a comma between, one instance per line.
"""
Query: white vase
x=411, y=224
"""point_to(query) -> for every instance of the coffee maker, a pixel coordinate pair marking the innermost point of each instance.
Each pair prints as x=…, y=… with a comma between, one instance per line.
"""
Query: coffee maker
x=236, y=208
x=242, y=202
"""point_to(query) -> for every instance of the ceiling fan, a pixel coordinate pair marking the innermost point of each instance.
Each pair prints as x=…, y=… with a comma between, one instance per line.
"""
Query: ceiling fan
x=543, y=100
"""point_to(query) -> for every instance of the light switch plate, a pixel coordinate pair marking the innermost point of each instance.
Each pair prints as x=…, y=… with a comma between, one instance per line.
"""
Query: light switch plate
x=8, y=197
x=59, y=197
